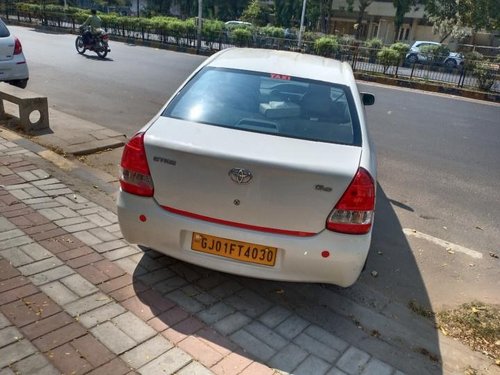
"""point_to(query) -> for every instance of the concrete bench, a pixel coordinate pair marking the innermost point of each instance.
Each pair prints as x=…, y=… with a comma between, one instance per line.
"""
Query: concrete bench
x=30, y=105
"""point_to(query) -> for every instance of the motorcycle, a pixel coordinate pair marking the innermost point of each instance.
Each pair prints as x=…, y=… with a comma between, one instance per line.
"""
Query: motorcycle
x=97, y=42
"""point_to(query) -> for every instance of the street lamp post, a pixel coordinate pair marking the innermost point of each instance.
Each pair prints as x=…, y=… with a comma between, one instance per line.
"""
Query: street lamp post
x=301, y=30
x=198, y=40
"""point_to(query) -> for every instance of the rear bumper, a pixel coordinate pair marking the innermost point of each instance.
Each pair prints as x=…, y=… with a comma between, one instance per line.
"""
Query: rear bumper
x=13, y=70
x=298, y=259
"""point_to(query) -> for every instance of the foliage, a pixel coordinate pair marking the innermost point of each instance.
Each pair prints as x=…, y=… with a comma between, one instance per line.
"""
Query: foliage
x=401, y=48
x=288, y=12
x=484, y=75
x=457, y=18
x=402, y=7
x=241, y=36
x=275, y=32
x=252, y=13
x=435, y=53
x=388, y=57
x=372, y=46
x=374, y=43
x=362, y=5
x=212, y=29
x=326, y=46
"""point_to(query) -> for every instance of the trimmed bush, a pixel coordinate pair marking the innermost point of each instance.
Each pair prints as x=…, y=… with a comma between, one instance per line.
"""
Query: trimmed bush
x=326, y=46
x=484, y=76
x=275, y=32
x=388, y=57
x=241, y=36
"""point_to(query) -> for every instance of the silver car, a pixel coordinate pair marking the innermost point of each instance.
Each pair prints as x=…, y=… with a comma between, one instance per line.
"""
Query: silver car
x=259, y=165
x=415, y=55
x=13, y=66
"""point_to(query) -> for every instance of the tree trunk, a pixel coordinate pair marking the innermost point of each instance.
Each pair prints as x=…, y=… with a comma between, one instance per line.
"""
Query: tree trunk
x=329, y=20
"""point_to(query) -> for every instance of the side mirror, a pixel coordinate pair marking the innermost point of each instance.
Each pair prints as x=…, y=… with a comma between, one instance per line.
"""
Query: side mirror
x=367, y=98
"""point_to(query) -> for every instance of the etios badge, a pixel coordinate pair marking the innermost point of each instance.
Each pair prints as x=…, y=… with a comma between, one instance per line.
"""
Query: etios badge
x=240, y=175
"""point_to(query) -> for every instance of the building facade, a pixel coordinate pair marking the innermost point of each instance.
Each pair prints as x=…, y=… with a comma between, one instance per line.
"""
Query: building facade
x=378, y=22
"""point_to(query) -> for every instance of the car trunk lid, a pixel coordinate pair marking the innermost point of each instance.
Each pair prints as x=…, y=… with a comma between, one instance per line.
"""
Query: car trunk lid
x=293, y=187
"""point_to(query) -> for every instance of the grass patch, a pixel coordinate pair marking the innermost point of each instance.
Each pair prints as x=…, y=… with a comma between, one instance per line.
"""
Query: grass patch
x=420, y=310
x=475, y=324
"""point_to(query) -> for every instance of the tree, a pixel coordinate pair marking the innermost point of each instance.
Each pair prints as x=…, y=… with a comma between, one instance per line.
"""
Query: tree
x=363, y=4
x=252, y=13
x=456, y=18
x=288, y=12
x=402, y=7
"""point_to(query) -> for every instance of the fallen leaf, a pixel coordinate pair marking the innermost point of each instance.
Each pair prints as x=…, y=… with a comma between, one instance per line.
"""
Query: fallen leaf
x=380, y=252
x=450, y=251
x=443, y=331
x=445, y=228
x=374, y=273
x=280, y=291
x=493, y=255
x=479, y=228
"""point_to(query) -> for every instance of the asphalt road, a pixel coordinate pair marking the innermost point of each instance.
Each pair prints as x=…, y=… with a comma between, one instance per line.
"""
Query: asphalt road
x=438, y=155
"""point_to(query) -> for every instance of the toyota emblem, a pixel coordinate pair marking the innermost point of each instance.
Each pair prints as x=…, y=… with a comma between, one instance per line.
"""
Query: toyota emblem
x=240, y=175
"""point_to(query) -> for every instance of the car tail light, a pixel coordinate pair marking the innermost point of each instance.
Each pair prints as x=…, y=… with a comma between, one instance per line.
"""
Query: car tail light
x=135, y=177
x=18, y=48
x=353, y=213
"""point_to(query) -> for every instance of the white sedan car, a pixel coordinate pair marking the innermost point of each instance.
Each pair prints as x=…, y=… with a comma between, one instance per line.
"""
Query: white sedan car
x=259, y=165
x=13, y=67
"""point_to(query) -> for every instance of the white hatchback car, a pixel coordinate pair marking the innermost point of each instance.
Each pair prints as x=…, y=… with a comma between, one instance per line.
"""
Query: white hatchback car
x=13, y=66
x=259, y=165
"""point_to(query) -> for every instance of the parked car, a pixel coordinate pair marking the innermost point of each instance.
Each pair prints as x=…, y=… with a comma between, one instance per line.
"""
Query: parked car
x=233, y=24
x=415, y=55
x=259, y=165
x=13, y=66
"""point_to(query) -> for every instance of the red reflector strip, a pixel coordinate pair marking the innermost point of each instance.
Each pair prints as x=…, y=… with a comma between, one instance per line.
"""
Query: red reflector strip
x=238, y=225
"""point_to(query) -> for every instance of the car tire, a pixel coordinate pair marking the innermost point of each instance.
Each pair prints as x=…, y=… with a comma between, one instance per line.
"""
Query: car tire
x=451, y=64
x=412, y=59
x=21, y=83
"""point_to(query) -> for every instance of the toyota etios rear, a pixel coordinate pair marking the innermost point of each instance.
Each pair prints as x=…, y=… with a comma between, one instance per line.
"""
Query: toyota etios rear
x=260, y=165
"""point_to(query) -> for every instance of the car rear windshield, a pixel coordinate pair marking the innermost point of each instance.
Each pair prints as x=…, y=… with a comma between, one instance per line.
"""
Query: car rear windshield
x=4, y=32
x=269, y=103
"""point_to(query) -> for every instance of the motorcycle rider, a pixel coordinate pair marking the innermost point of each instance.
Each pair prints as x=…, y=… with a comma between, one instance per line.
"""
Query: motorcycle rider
x=94, y=22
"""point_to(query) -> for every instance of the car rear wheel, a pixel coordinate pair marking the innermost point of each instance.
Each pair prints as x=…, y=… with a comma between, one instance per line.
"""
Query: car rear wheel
x=450, y=64
x=412, y=59
x=22, y=83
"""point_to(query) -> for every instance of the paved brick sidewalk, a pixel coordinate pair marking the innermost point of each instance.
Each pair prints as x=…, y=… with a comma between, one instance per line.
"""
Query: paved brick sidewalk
x=75, y=298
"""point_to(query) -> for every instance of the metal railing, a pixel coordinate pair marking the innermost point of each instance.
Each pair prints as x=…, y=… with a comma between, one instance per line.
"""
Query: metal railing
x=362, y=59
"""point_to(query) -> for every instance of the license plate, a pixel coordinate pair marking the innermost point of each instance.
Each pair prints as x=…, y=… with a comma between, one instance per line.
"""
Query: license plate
x=242, y=251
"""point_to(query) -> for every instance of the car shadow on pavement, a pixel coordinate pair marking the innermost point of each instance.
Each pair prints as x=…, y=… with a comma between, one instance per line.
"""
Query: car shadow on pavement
x=301, y=327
